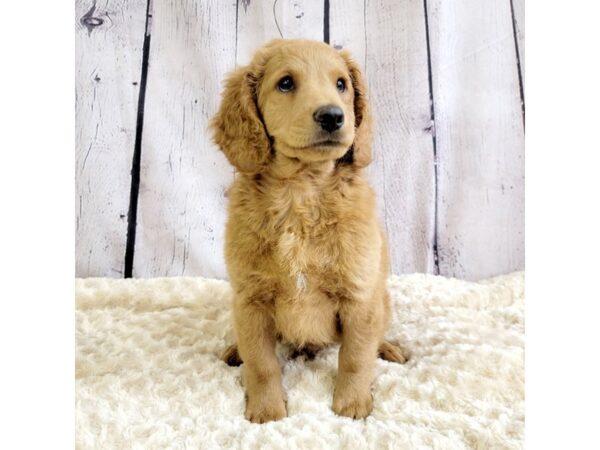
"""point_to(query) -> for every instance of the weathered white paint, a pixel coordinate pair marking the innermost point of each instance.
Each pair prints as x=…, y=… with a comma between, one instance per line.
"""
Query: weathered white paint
x=182, y=204
x=519, y=11
x=479, y=132
x=256, y=23
x=404, y=168
x=347, y=20
x=109, y=59
x=388, y=40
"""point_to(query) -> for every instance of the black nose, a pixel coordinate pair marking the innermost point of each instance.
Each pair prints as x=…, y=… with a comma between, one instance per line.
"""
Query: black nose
x=330, y=117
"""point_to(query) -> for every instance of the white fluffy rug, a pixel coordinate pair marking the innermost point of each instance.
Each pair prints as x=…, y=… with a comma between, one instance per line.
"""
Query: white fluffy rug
x=148, y=373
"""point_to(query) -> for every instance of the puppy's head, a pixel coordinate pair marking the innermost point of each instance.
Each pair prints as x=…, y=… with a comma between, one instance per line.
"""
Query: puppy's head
x=301, y=98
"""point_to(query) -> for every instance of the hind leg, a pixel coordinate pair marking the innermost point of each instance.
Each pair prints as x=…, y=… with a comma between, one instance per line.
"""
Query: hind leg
x=391, y=352
x=231, y=356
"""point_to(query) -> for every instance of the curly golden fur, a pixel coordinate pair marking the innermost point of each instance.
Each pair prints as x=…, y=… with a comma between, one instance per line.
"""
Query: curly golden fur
x=306, y=256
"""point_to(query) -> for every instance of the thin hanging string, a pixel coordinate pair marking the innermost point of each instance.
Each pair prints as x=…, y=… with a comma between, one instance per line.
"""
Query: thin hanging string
x=275, y=17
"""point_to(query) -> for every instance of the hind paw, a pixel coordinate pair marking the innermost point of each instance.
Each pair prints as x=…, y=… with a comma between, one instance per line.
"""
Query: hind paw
x=231, y=356
x=392, y=353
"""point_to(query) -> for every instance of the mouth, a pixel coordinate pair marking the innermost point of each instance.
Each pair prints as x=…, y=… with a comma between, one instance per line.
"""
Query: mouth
x=326, y=143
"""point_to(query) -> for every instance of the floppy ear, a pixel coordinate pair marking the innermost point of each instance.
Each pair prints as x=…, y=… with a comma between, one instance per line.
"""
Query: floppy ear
x=237, y=127
x=363, y=138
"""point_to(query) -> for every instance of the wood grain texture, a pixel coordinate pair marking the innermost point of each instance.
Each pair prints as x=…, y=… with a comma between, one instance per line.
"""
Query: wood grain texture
x=519, y=23
x=347, y=22
x=182, y=204
x=109, y=38
x=389, y=38
x=478, y=130
x=518, y=16
x=256, y=23
x=479, y=133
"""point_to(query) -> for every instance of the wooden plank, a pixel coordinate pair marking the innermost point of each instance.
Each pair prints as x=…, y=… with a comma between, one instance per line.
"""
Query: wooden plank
x=479, y=133
x=518, y=16
x=347, y=20
x=389, y=37
x=108, y=40
x=182, y=204
x=519, y=24
x=256, y=23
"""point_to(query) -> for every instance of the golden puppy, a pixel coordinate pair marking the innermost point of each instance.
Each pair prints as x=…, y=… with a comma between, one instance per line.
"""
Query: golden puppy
x=305, y=253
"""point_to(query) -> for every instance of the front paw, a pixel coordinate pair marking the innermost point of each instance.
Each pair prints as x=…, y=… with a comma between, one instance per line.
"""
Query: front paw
x=262, y=410
x=356, y=407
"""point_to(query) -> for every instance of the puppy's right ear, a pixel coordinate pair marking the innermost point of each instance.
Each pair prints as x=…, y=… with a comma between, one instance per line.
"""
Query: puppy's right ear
x=237, y=127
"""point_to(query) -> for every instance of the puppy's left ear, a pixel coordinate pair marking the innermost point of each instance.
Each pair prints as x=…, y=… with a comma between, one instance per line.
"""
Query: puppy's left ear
x=363, y=138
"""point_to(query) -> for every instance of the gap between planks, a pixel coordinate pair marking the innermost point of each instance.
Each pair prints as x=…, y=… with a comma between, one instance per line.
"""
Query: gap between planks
x=137, y=153
x=517, y=53
x=436, y=263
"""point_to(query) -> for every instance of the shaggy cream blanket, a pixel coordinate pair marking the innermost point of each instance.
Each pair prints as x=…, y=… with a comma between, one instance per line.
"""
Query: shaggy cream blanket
x=148, y=373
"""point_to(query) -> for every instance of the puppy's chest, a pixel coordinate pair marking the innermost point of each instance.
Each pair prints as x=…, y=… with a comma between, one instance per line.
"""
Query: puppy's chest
x=306, y=233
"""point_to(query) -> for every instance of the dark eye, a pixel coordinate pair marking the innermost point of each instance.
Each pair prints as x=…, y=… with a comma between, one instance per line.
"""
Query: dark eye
x=341, y=85
x=286, y=84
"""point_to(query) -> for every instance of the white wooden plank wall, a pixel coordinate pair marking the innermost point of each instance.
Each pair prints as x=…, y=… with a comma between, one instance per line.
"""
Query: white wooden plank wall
x=256, y=23
x=518, y=13
x=109, y=38
x=387, y=39
x=183, y=178
x=445, y=86
x=479, y=137
x=519, y=27
x=397, y=71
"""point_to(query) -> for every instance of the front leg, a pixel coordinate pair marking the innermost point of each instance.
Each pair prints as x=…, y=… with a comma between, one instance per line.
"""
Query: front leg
x=361, y=331
x=261, y=371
